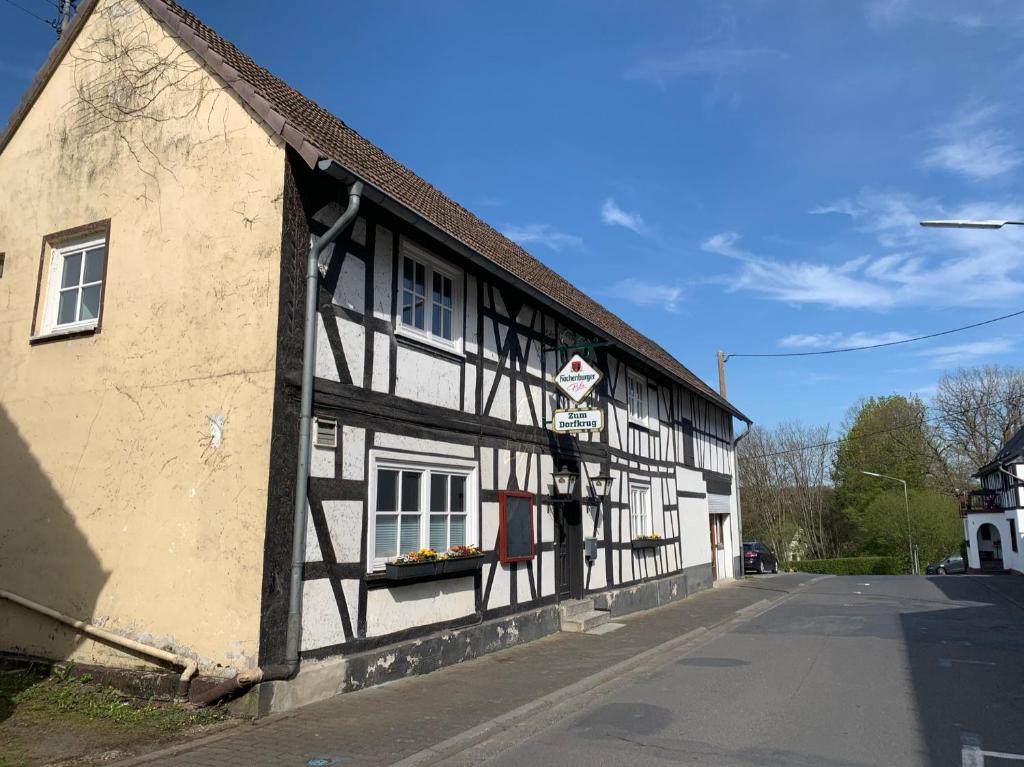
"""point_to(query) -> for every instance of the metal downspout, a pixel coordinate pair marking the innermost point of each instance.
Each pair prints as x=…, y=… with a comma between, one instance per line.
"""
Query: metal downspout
x=317, y=264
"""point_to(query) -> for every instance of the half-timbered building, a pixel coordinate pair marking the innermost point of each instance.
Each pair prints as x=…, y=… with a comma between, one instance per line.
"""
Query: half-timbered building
x=993, y=515
x=437, y=341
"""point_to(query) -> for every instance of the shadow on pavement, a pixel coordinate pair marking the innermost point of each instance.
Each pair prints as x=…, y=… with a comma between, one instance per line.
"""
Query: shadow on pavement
x=966, y=668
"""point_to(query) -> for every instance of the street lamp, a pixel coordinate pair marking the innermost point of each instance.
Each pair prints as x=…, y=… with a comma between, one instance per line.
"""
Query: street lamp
x=601, y=484
x=565, y=481
x=968, y=224
x=910, y=541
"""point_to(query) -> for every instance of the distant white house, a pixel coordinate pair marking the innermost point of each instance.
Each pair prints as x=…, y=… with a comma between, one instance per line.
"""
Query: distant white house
x=993, y=515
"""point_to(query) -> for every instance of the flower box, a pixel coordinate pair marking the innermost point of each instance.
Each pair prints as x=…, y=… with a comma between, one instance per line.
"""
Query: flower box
x=402, y=572
x=462, y=564
x=646, y=543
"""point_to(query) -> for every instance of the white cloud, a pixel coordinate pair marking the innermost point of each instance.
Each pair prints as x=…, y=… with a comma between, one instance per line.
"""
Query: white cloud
x=541, y=234
x=840, y=340
x=915, y=266
x=613, y=215
x=709, y=60
x=647, y=294
x=956, y=355
x=972, y=145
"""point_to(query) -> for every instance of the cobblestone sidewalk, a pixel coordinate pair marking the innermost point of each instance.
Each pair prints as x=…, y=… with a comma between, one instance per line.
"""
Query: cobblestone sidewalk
x=385, y=724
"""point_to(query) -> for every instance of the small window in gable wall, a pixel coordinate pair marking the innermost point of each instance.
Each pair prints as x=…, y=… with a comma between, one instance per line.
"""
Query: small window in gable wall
x=429, y=299
x=636, y=398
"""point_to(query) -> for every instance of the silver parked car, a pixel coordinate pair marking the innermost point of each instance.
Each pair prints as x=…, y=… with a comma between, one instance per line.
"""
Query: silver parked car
x=954, y=563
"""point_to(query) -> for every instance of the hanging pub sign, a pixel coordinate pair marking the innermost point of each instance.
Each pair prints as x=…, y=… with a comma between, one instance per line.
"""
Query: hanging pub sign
x=577, y=379
x=570, y=421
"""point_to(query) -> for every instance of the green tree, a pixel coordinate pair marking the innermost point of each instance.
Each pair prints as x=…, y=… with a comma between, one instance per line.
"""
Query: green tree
x=886, y=435
x=934, y=525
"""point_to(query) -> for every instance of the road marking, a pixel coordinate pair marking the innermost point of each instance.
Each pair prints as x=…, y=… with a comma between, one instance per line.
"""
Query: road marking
x=948, y=662
x=970, y=750
x=1003, y=755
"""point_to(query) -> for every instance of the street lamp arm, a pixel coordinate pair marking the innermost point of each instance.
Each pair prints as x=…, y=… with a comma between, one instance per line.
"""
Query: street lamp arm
x=970, y=224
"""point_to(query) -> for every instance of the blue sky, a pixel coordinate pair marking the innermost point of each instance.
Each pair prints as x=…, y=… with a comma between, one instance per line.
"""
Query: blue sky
x=745, y=176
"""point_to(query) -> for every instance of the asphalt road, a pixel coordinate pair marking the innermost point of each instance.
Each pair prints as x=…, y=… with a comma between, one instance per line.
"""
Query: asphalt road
x=878, y=670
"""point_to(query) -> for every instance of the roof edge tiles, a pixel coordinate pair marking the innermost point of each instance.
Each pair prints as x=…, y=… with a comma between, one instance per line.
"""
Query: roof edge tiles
x=314, y=134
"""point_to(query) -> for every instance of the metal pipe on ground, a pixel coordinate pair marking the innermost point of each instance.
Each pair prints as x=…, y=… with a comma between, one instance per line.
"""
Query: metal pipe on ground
x=189, y=666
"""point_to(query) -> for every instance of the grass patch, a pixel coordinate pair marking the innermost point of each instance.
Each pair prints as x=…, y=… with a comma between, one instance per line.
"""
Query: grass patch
x=31, y=694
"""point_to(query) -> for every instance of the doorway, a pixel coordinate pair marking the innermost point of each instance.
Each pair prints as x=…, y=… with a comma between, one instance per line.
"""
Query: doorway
x=990, y=547
x=569, y=551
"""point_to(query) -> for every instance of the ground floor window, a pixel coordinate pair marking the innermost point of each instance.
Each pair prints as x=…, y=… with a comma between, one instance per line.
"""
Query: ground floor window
x=640, y=509
x=419, y=505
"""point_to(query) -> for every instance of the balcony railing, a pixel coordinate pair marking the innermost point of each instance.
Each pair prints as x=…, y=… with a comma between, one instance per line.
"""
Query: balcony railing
x=980, y=501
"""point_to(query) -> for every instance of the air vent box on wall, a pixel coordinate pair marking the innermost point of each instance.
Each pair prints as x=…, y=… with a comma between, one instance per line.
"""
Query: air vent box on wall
x=325, y=433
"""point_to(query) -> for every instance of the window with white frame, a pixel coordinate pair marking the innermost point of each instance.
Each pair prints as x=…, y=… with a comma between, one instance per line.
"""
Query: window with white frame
x=74, y=286
x=429, y=303
x=420, y=505
x=636, y=398
x=640, y=510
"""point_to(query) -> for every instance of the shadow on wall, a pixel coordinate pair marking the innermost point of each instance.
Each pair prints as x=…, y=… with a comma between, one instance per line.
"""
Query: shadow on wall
x=43, y=556
x=965, y=668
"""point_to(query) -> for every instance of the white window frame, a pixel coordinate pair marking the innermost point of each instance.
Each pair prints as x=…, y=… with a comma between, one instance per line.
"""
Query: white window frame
x=432, y=264
x=425, y=464
x=641, y=521
x=637, y=380
x=49, y=325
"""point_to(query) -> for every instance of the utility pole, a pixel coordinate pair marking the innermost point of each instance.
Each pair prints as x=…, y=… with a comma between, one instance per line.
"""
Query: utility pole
x=721, y=373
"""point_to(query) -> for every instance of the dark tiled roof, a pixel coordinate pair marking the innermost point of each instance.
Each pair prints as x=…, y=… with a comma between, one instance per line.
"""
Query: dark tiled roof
x=1012, y=448
x=315, y=133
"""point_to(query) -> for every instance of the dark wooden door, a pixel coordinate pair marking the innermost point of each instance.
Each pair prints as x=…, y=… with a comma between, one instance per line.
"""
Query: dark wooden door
x=569, y=552
x=562, y=557
x=714, y=546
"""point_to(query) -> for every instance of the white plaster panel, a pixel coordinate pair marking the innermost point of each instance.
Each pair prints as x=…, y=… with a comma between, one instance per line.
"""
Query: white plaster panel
x=352, y=341
x=471, y=340
x=351, y=588
x=499, y=304
x=426, y=378
x=500, y=588
x=490, y=342
x=522, y=459
x=490, y=519
x=504, y=468
x=695, y=531
x=470, y=390
x=394, y=609
x=312, y=544
x=321, y=462
x=351, y=288
x=689, y=480
x=345, y=522
x=325, y=365
x=500, y=407
x=523, y=583
x=399, y=442
x=546, y=584
x=382, y=263
x=381, y=362
x=321, y=623
x=353, y=452
x=359, y=230
x=487, y=468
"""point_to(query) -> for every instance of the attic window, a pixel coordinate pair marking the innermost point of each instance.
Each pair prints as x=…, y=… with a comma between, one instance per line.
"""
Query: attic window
x=325, y=433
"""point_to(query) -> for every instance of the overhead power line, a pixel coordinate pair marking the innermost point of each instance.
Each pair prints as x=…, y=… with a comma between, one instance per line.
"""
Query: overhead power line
x=23, y=9
x=899, y=427
x=887, y=343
